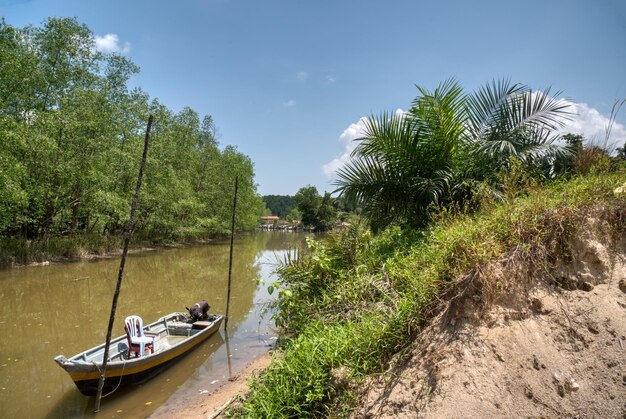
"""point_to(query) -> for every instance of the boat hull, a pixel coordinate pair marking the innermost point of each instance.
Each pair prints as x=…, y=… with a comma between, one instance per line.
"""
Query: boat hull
x=90, y=387
x=128, y=372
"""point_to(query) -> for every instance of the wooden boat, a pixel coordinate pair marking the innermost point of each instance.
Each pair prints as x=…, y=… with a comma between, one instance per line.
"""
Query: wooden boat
x=174, y=336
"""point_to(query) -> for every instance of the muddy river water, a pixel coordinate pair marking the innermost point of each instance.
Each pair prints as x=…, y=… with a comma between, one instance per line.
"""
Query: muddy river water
x=63, y=309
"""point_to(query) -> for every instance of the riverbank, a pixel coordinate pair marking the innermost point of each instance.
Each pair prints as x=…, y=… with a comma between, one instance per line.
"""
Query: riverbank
x=20, y=253
x=358, y=304
x=213, y=404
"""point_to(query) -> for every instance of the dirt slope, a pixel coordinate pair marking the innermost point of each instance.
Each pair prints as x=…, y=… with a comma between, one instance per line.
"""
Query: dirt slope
x=539, y=351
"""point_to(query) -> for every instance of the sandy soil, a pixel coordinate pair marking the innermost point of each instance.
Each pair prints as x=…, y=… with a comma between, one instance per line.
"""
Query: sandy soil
x=541, y=350
x=209, y=404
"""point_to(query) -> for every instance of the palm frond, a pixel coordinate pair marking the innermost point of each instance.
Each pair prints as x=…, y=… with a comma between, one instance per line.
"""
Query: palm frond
x=440, y=115
x=487, y=102
x=513, y=121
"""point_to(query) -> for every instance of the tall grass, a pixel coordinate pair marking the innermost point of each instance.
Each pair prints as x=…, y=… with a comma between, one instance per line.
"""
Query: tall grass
x=355, y=300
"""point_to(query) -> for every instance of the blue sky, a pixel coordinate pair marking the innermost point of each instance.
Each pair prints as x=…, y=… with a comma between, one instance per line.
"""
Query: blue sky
x=288, y=81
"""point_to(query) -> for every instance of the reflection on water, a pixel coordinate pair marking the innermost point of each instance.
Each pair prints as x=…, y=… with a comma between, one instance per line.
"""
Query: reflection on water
x=63, y=309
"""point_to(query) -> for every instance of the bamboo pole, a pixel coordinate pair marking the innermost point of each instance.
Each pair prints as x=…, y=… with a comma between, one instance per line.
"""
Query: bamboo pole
x=230, y=259
x=228, y=356
x=129, y=232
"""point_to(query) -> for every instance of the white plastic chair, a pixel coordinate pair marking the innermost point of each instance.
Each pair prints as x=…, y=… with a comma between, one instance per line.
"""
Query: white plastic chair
x=136, y=337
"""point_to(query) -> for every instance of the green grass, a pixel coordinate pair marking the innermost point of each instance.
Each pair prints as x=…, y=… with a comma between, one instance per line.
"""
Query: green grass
x=353, y=300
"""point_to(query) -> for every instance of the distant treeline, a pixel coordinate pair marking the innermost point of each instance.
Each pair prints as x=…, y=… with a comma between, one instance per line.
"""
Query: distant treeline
x=71, y=135
x=279, y=205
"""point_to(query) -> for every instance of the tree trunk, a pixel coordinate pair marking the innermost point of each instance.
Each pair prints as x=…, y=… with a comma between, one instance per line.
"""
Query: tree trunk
x=76, y=207
x=46, y=221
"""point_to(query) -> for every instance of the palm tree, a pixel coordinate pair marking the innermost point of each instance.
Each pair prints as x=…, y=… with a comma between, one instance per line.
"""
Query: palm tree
x=406, y=163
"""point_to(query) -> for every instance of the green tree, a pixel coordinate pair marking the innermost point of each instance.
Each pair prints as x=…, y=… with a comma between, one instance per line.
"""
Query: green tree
x=326, y=213
x=315, y=210
x=72, y=133
x=294, y=216
x=565, y=163
x=447, y=142
x=308, y=201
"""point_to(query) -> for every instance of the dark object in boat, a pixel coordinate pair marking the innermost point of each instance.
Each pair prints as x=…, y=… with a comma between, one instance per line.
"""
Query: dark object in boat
x=199, y=310
x=174, y=336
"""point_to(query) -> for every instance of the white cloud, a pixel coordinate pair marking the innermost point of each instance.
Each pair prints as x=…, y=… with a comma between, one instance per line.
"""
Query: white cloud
x=109, y=43
x=330, y=79
x=302, y=75
x=585, y=120
x=354, y=131
x=289, y=104
x=592, y=125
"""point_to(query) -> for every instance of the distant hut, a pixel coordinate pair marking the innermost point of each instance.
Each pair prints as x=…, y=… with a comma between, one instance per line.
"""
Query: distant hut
x=268, y=222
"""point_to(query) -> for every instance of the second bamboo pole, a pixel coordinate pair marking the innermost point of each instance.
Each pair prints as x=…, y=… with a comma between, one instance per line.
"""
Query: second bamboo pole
x=230, y=259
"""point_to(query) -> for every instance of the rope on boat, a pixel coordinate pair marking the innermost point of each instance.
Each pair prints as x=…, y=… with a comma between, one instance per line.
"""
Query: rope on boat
x=118, y=383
